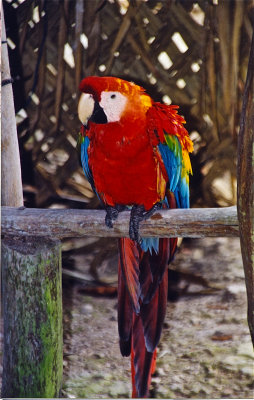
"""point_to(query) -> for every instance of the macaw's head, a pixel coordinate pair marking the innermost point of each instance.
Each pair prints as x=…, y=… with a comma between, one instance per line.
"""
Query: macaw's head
x=108, y=99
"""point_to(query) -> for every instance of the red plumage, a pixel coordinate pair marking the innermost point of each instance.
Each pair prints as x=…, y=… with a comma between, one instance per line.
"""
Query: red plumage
x=123, y=164
x=135, y=153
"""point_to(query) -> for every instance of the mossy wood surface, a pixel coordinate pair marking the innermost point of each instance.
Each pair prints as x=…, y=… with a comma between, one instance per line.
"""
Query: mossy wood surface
x=32, y=311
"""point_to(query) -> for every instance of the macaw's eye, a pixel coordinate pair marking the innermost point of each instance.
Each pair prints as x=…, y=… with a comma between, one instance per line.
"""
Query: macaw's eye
x=113, y=104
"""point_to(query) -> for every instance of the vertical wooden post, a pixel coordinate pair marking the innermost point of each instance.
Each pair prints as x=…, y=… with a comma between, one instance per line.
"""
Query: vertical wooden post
x=31, y=282
x=32, y=311
x=245, y=191
x=12, y=194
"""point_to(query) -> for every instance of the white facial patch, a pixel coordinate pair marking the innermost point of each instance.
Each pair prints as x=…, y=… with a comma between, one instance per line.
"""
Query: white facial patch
x=113, y=105
x=85, y=107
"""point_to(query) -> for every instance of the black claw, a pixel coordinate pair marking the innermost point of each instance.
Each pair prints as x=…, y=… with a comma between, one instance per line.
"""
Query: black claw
x=111, y=215
x=150, y=212
x=138, y=214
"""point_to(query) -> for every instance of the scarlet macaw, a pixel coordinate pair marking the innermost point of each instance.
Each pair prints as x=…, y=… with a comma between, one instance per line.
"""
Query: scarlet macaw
x=135, y=154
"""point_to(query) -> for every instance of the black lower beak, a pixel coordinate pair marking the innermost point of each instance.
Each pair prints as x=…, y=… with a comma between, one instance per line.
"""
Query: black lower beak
x=98, y=116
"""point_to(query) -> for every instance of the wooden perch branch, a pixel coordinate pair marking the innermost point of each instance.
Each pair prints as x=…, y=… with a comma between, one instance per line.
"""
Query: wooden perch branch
x=77, y=223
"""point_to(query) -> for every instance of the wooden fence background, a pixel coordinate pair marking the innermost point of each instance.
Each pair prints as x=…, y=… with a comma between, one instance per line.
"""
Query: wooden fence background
x=180, y=51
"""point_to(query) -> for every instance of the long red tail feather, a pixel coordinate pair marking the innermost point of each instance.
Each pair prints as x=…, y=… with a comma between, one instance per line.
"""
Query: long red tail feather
x=142, y=301
x=152, y=370
x=140, y=331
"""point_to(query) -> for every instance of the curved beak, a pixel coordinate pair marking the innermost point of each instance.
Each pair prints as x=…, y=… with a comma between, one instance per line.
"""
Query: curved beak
x=85, y=108
x=90, y=110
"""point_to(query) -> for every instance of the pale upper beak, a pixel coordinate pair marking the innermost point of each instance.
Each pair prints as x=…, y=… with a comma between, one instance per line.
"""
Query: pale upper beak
x=85, y=107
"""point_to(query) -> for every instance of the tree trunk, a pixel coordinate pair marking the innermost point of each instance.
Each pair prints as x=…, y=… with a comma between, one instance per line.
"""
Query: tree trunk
x=245, y=191
x=32, y=312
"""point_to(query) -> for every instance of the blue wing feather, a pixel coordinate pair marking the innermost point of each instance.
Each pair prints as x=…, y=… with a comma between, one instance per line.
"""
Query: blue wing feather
x=172, y=164
x=172, y=159
x=85, y=164
x=84, y=160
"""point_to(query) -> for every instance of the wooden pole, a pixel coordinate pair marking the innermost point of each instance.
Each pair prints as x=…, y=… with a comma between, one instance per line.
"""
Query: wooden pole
x=245, y=191
x=61, y=224
x=31, y=281
x=12, y=194
x=32, y=312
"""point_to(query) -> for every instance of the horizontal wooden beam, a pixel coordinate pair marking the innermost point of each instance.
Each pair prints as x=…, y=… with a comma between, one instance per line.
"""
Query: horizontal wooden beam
x=59, y=223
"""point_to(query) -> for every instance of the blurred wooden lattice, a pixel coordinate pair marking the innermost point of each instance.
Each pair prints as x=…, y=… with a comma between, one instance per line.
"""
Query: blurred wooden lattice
x=193, y=53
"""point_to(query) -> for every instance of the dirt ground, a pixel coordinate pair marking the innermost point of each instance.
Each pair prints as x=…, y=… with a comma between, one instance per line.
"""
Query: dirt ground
x=205, y=349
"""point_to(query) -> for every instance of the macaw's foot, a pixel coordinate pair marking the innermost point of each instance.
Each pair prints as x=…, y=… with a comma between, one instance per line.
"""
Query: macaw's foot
x=149, y=213
x=112, y=214
x=138, y=214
